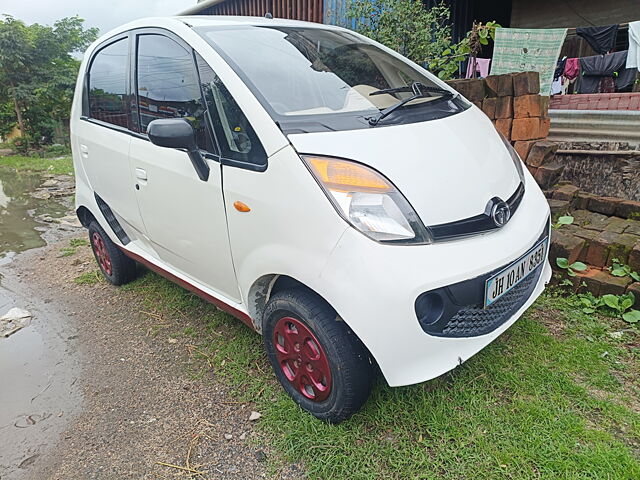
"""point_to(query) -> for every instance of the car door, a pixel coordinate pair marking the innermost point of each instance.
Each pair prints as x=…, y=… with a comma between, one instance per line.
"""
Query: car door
x=184, y=216
x=103, y=136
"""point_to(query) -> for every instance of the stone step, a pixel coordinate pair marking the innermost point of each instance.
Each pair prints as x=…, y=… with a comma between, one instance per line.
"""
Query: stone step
x=596, y=240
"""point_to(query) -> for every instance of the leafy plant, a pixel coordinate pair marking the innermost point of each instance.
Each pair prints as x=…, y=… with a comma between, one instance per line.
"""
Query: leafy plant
x=632, y=316
x=619, y=269
x=448, y=62
x=590, y=303
x=619, y=305
x=570, y=268
x=564, y=220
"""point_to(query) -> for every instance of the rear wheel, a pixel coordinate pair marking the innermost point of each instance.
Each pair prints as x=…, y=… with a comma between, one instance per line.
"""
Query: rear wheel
x=318, y=360
x=116, y=267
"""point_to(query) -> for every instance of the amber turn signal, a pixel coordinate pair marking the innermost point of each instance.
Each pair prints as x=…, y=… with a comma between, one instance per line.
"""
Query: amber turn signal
x=241, y=207
x=347, y=176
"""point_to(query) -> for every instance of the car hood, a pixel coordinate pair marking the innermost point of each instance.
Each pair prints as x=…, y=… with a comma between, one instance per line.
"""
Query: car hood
x=448, y=169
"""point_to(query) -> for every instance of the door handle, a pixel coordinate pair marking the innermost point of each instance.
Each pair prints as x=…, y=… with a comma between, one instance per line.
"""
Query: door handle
x=84, y=151
x=141, y=174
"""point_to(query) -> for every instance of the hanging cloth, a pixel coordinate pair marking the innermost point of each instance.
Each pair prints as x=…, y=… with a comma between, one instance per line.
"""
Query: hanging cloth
x=633, y=59
x=482, y=67
x=626, y=78
x=528, y=50
x=572, y=68
x=601, y=39
x=559, y=68
x=598, y=69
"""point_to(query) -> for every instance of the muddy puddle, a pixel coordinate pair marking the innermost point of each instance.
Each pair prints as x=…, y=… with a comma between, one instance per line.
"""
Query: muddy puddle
x=39, y=365
x=23, y=217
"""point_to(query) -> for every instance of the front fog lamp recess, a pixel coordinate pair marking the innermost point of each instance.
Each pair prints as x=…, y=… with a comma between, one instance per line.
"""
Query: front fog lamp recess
x=368, y=201
x=429, y=308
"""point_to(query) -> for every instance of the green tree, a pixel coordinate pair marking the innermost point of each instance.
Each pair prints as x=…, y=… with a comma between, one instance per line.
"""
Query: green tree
x=38, y=70
x=420, y=34
x=405, y=26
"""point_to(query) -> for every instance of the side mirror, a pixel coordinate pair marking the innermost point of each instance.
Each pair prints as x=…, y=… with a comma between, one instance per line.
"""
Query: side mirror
x=179, y=133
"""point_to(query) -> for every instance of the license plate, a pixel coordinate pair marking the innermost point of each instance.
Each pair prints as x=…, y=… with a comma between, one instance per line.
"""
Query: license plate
x=496, y=286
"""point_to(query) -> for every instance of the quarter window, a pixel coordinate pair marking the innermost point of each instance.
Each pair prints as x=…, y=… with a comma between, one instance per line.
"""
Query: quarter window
x=168, y=86
x=235, y=137
x=108, y=84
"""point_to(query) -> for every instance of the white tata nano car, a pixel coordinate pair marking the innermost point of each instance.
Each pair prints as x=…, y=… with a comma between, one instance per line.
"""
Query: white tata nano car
x=334, y=196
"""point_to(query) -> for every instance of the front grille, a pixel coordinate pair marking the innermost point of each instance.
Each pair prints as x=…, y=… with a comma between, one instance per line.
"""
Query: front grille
x=474, y=321
x=476, y=224
x=457, y=311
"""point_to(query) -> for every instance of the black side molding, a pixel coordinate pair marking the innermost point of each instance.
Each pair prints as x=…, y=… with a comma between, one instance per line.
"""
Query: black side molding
x=112, y=220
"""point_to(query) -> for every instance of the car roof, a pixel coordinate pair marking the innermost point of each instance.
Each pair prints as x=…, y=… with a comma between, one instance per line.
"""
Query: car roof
x=229, y=20
x=207, y=21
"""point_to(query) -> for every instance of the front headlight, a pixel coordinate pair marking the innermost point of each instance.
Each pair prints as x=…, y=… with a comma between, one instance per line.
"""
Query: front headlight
x=368, y=201
x=515, y=157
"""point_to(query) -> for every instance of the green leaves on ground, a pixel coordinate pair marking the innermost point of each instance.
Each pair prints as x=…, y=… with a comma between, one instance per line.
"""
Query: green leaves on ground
x=631, y=317
x=564, y=220
x=74, y=243
x=619, y=269
x=612, y=305
x=570, y=268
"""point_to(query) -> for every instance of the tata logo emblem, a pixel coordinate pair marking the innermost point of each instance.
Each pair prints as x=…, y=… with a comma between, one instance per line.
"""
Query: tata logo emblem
x=500, y=213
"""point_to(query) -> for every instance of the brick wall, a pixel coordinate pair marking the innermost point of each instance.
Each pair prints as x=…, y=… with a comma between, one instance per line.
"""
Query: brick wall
x=596, y=101
x=605, y=228
x=518, y=111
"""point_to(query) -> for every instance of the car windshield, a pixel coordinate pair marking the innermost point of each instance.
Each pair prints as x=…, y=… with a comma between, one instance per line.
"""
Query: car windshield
x=322, y=76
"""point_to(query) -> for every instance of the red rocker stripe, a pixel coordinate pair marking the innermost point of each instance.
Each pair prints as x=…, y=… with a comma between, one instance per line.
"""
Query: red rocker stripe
x=246, y=319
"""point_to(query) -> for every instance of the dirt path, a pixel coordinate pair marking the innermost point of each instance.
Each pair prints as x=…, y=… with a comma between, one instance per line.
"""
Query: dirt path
x=136, y=404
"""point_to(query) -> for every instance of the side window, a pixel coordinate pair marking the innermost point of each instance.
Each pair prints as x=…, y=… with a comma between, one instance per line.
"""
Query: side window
x=236, y=138
x=108, y=84
x=168, y=87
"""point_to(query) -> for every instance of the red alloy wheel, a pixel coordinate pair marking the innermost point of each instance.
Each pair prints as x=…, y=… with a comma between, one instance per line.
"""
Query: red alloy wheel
x=101, y=252
x=302, y=359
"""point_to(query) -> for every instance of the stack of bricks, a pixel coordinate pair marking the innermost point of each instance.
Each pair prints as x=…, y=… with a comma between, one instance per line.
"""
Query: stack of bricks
x=514, y=104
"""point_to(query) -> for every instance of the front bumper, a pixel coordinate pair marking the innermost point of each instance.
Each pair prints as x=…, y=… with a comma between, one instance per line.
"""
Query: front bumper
x=374, y=287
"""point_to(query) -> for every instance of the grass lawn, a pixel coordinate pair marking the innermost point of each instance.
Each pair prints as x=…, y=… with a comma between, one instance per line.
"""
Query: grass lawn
x=557, y=396
x=62, y=165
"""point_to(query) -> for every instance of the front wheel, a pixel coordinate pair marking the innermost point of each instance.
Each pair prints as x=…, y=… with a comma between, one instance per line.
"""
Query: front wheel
x=316, y=357
x=116, y=267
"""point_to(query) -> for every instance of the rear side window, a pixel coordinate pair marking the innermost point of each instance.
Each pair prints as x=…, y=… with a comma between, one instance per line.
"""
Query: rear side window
x=236, y=138
x=168, y=87
x=108, y=84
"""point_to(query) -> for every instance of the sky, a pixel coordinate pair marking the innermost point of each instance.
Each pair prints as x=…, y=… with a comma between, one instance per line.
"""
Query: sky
x=104, y=14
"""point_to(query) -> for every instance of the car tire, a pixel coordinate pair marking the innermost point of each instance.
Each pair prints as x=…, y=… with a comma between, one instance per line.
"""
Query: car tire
x=316, y=357
x=116, y=267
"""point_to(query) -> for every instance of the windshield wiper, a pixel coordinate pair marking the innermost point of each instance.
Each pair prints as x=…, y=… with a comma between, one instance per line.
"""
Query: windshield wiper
x=419, y=91
x=411, y=88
